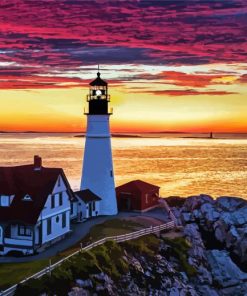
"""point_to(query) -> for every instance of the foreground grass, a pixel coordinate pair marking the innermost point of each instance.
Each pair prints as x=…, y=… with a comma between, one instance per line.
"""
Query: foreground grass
x=109, y=258
x=12, y=273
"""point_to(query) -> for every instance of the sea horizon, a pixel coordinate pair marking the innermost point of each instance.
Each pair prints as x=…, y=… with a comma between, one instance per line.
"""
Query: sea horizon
x=181, y=164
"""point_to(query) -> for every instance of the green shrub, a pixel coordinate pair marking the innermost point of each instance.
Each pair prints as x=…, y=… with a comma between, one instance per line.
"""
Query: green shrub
x=61, y=281
x=33, y=287
x=180, y=247
x=147, y=245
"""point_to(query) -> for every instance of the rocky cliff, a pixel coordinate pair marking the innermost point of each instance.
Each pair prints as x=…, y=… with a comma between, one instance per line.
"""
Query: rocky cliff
x=205, y=256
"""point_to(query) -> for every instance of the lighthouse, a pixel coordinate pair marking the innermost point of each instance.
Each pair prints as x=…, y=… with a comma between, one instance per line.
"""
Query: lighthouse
x=97, y=171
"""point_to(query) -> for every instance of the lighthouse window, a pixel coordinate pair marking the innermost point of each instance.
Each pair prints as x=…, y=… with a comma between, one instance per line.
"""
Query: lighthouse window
x=111, y=173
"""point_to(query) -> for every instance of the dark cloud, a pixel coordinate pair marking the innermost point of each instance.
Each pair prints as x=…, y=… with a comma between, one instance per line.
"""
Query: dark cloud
x=63, y=34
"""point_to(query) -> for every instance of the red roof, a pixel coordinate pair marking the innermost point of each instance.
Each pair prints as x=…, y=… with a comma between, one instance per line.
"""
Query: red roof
x=138, y=185
x=22, y=180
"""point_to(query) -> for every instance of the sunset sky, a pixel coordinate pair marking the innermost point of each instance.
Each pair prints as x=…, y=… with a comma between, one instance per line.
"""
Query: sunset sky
x=171, y=65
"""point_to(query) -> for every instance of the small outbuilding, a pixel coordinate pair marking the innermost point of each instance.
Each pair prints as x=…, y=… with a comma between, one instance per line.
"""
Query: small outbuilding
x=87, y=204
x=137, y=195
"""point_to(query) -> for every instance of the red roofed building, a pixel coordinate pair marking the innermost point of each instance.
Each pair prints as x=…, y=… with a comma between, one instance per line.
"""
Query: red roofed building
x=137, y=196
x=36, y=205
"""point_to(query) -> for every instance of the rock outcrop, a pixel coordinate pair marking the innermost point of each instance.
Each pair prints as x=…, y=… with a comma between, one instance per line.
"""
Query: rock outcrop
x=206, y=258
x=223, y=220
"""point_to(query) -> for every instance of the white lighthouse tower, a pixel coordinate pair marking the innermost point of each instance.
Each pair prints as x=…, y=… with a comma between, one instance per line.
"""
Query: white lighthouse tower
x=97, y=172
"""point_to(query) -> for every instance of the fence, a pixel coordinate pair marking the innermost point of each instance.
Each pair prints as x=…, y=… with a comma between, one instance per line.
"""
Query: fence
x=118, y=238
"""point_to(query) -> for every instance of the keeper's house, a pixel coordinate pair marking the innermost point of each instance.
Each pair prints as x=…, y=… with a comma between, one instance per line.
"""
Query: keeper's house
x=35, y=207
x=137, y=196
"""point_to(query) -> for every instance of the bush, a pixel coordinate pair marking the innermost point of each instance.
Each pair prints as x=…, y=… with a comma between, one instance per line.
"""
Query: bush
x=61, y=281
x=179, y=248
x=147, y=245
x=33, y=287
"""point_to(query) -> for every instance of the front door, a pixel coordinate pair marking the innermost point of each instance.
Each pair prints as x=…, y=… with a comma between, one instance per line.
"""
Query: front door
x=90, y=210
x=125, y=203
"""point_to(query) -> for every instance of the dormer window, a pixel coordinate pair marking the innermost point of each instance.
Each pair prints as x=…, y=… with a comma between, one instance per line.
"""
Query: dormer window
x=6, y=200
x=27, y=197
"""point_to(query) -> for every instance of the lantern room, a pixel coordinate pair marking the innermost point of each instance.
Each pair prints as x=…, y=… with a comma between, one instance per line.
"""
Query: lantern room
x=98, y=97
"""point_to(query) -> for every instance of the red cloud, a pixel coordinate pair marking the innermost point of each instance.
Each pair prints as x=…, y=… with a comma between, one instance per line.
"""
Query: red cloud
x=243, y=78
x=64, y=34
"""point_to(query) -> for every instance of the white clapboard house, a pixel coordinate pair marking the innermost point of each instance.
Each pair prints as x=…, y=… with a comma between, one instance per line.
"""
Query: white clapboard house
x=36, y=206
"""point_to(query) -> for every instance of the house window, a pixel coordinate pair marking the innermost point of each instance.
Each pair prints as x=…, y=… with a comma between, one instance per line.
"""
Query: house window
x=146, y=196
x=24, y=230
x=4, y=201
x=93, y=205
x=48, y=226
x=64, y=220
x=60, y=198
x=53, y=201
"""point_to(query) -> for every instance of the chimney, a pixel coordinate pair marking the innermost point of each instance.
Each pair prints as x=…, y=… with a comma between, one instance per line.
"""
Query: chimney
x=37, y=163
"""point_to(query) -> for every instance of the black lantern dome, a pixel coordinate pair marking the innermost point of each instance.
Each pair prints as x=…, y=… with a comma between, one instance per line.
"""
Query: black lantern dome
x=98, y=97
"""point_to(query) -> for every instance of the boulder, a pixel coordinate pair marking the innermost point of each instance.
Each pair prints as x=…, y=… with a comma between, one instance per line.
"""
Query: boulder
x=195, y=202
x=230, y=203
x=224, y=271
x=197, y=250
x=76, y=291
x=84, y=283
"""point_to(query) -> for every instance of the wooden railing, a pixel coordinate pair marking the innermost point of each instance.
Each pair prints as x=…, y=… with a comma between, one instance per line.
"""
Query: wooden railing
x=118, y=238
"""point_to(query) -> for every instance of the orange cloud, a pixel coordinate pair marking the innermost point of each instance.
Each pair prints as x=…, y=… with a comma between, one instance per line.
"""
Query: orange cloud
x=193, y=80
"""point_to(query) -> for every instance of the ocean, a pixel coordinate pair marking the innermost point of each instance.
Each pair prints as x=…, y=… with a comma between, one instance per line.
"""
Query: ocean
x=181, y=164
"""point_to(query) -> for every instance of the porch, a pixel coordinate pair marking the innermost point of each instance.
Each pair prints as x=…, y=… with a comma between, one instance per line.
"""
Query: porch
x=21, y=235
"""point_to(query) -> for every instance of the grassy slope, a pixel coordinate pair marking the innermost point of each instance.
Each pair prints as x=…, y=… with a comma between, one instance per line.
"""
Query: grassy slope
x=12, y=273
x=107, y=258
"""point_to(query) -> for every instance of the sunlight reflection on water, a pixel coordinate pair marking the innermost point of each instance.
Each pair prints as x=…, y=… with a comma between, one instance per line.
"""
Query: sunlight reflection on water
x=180, y=166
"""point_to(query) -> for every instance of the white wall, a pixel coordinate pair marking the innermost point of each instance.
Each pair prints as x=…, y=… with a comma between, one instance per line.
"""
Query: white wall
x=74, y=209
x=98, y=174
x=56, y=227
x=84, y=209
x=25, y=251
x=55, y=212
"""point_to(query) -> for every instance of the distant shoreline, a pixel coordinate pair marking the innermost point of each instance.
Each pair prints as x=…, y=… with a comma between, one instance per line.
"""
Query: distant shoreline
x=168, y=134
x=124, y=133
